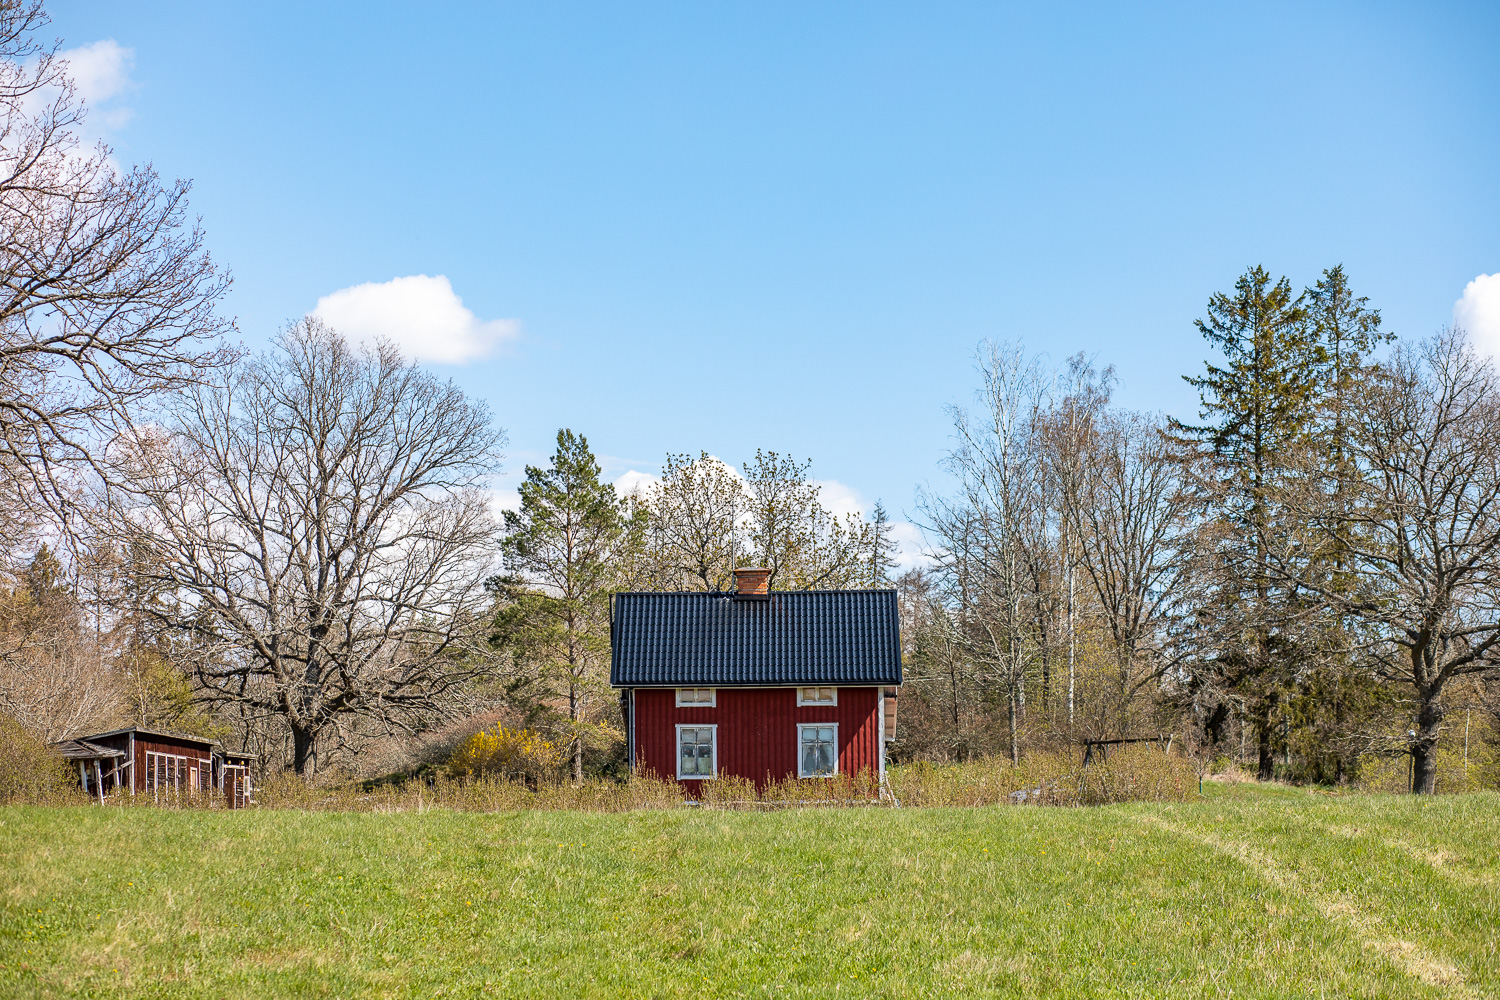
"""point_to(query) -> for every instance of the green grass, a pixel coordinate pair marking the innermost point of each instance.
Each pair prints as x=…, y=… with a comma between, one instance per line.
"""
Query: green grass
x=1250, y=893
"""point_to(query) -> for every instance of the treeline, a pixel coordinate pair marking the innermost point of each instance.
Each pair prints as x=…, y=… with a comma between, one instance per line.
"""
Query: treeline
x=1304, y=579
x=297, y=551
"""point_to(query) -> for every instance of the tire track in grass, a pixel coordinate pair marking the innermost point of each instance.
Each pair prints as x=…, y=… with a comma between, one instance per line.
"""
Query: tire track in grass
x=1425, y=967
x=1436, y=859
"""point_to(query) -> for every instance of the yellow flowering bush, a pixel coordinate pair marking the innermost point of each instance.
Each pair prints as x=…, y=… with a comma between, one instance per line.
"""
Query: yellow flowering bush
x=506, y=753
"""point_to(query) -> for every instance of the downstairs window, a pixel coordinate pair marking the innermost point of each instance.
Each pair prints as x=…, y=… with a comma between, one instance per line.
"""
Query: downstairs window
x=695, y=751
x=817, y=752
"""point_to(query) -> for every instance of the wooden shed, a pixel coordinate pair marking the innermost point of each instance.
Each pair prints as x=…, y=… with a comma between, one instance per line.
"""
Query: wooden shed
x=761, y=684
x=167, y=766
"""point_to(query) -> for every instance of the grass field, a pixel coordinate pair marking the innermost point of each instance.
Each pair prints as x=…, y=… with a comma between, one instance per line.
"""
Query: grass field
x=1252, y=892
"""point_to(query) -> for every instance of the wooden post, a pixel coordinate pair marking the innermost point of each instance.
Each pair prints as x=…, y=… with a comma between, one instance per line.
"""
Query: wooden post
x=99, y=781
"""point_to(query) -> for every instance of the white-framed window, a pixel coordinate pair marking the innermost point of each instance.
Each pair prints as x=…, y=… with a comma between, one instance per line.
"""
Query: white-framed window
x=697, y=752
x=817, y=750
x=697, y=697
x=818, y=696
x=170, y=772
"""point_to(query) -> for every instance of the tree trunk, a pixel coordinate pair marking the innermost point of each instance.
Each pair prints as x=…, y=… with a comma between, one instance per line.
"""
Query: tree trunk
x=1046, y=681
x=1267, y=763
x=302, y=749
x=573, y=714
x=953, y=688
x=1424, y=748
x=1213, y=726
x=1015, y=753
x=1072, y=644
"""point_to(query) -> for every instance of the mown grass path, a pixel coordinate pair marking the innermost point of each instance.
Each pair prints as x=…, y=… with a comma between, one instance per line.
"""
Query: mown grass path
x=1246, y=894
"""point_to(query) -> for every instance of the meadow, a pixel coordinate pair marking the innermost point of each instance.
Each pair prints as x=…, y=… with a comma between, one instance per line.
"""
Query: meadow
x=1251, y=891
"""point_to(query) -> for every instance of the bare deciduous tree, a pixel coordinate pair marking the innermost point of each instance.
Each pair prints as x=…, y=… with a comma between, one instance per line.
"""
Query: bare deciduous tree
x=986, y=530
x=320, y=520
x=1413, y=523
x=107, y=294
x=1134, y=516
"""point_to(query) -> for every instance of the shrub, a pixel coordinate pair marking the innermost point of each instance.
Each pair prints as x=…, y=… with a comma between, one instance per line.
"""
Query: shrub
x=31, y=771
x=506, y=753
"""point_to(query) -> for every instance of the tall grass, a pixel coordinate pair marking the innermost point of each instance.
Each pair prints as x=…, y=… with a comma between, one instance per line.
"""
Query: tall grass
x=1130, y=774
x=1056, y=778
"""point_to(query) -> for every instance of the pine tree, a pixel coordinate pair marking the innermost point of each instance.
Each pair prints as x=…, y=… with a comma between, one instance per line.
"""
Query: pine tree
x=562, y=543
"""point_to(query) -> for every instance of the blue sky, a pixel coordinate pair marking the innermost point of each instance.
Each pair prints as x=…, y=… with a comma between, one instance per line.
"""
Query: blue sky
x=729, y=226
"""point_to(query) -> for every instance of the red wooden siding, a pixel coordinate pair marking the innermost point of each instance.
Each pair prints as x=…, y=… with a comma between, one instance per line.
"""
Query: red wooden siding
x=757, y=730
x=198, y=756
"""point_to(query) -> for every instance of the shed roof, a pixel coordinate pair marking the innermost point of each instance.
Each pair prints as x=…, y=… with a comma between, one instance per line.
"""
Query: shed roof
x=157, y=733
x=84, y=750
x=841, y=637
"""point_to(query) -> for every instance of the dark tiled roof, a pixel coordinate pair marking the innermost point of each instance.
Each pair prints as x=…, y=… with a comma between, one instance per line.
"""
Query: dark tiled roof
x=793, y=637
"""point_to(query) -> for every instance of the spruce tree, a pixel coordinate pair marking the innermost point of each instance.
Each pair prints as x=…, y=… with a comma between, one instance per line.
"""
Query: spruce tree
x=882, y=547
x=1257, y=407
x=1347, y=331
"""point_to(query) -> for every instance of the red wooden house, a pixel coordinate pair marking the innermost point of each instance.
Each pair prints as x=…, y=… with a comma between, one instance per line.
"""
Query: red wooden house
x=757, y=683
x=166, y=766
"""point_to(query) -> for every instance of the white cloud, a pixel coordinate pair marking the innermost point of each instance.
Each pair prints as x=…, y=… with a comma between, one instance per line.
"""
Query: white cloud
x=1478, y=312
x=840, y=499
x=910, y=546
x=504, y=499
x=421, y=315
x=635, y=480
x=101, y=72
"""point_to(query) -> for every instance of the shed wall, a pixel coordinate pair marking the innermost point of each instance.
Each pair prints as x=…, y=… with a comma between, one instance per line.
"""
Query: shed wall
x=757, y=736
x=155, y=744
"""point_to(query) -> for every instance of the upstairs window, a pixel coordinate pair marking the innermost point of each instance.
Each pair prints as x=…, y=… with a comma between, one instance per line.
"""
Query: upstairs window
x=817, y=752
x=696, y=746
x=818, y=696
x=697, y=697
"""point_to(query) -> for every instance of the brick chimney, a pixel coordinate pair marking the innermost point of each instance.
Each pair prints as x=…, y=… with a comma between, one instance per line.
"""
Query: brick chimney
x=752, y=582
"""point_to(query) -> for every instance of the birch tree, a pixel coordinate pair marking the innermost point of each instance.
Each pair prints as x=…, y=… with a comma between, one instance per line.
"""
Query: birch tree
x=984, y=529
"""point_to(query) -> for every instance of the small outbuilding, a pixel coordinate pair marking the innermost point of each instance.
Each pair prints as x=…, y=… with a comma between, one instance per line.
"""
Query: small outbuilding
x=761, y=684
x=167, y=766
